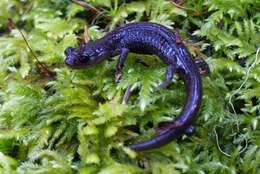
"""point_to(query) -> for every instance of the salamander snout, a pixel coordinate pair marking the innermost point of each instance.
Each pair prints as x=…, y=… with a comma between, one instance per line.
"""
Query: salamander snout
x=68, y=51
x=75, y=58
x=70, y=60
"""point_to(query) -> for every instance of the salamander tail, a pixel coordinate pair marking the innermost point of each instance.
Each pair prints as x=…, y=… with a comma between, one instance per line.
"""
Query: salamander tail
x=179, y=126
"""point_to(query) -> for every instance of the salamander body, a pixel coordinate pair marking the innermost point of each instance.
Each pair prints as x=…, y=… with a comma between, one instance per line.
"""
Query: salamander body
x=153, y=39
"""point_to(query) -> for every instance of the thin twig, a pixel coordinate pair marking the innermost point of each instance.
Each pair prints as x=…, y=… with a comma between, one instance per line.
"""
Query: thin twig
x=232, y=106
x=10, y=25
x=28, y=9
x=219, y=148
x=90, y=7
x=97, y=17
x=86, y=34
x=86, y=6
x=46, y=70
x=244, y=82
x=195, y=13
x=127, y=94
x=247, y=76
x=178, y=1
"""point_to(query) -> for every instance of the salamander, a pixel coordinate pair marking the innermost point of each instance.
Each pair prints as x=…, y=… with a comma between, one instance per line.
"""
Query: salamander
x=152, y=39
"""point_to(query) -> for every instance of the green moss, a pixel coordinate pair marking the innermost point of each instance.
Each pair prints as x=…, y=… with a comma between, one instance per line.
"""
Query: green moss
x=75, y=122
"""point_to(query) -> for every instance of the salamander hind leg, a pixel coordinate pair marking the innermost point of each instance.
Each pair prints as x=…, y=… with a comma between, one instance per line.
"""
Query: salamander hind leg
x=120, y=64
x=190, y=130
x=127, y=94
x=202, y=66
x=168, y=76
x=128, y=91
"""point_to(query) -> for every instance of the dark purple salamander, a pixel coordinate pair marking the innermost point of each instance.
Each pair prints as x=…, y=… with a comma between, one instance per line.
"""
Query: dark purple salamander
x=154, y=39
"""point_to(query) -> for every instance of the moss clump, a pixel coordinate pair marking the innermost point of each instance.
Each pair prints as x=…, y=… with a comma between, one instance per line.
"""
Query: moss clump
x=75, y=122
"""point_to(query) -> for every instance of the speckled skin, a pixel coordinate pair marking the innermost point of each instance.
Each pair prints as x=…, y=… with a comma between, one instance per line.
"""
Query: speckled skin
x=155, y=39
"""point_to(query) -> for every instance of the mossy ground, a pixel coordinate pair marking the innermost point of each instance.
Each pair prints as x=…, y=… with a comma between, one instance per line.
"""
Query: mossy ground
x=73, y=121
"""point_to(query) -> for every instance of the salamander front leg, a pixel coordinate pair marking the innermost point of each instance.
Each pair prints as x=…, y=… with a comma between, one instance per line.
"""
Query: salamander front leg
x=202, y=66
x=120, y=64
x=168, y=76
x=128, y=92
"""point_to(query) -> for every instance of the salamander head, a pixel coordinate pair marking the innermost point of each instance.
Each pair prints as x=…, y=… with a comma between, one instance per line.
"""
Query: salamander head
x=86, y=55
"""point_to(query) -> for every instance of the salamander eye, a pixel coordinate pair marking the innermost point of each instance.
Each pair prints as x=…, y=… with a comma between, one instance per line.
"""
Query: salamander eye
x=84, y=58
